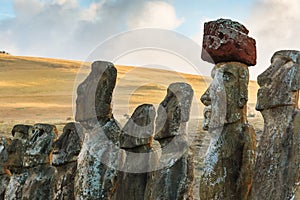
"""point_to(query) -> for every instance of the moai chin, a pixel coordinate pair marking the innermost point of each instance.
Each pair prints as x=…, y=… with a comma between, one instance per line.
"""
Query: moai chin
x=277, y=169
x=230, y=159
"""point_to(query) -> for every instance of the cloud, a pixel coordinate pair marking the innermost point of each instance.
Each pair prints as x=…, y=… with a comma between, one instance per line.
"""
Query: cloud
x=155, y=14
x=64, y=29
x=274, y=24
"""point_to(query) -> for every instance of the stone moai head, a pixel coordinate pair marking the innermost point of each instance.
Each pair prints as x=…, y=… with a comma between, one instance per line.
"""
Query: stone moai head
x=94, y=95
x=139, y=128
x=40, y=145
x=68, y=145
x=280, y=83
x=174, y=111
x=227, y=94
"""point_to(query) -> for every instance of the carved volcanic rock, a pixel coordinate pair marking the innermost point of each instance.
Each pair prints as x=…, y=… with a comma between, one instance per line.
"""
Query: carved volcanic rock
x=175, y=178
x=100, y=155
x=229, y=161
x=94, y=95
x=174, y=111
x=66, y=150
x=286, y=69
x=136, y=139
x=277, y=169
x=40, y=145
x=65, y=181
x=29, y=161
x=98, y=162
x=68, y=146
x=139, y=129
x=225, y=40
x=4, y=176
x=32, y=183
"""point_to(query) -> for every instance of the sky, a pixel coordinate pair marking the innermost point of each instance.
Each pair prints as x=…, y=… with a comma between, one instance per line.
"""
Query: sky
x=74, y=29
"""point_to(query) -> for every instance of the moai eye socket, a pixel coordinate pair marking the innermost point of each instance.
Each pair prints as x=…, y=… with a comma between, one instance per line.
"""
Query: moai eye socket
x=228, y=77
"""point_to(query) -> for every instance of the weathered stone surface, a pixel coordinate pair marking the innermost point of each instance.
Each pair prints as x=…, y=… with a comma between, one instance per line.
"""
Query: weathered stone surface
x=29, y=161
x=174, y=179
x=284, y=68
x=136, y=139
x=4, y=173
x=68, y=145
x=229, y=163
x=65, y=181
x=94, y=95
x=174, y=111
x=207, y=117
x=98, y=162
x=40, y=146
x=22, y=131
x=33, y=183
x=277, y=169
x=225, y=41
x=139, y=129
x=66, y=151
x=100, y=155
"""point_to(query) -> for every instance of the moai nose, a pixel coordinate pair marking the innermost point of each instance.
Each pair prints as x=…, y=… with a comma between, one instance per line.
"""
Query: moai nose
x=205, y=98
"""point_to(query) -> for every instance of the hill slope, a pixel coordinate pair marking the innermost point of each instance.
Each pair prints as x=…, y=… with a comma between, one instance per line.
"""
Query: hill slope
x=41, y=89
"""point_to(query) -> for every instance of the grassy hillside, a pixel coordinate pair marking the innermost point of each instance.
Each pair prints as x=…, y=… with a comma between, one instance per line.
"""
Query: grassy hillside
x=41, y=90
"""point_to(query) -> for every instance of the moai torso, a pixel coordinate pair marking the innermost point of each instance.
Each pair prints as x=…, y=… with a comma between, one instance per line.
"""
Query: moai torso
x=277, y=170
x=140, y=159
x=66, y=150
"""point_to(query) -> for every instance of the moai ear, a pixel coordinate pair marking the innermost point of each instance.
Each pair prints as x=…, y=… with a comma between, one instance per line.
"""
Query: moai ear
x=243, y=86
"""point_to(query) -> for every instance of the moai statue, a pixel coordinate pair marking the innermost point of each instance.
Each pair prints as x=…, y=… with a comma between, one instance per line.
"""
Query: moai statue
x=174, y=179
x=99, y=157
x=277, y=169
x=66, y=151
x=230, y=159
x=32, y=175
x=4, y=172
x=136, y=139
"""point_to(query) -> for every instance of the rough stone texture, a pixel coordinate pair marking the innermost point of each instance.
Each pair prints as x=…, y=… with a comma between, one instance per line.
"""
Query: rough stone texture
x=229, y=163
x=207, y=117
x=139, y=129
x=100, y=155
x=136, y=140
x=66, y=150
x=4, y=173
x=40, y=146
x=98, y=162
x=33, y=183
x=225, y=41
x=65, y=181
x=94, y=95
x=29, y=160
x=174, y=179
x=277, y=169
x=174, y=111
x=68, y=146
x=22, y=131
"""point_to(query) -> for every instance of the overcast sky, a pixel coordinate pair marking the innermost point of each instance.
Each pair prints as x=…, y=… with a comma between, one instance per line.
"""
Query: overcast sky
x=72, y=29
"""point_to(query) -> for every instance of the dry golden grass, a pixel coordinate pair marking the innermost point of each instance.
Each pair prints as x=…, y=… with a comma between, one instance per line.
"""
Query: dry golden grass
x=41, y=89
